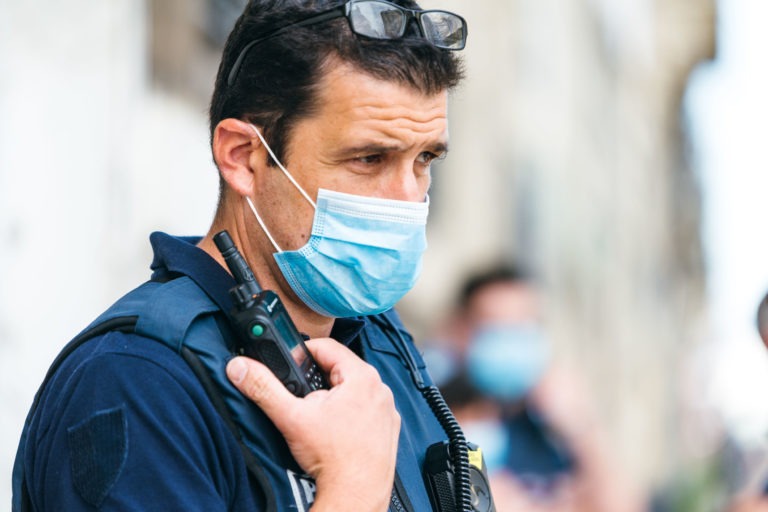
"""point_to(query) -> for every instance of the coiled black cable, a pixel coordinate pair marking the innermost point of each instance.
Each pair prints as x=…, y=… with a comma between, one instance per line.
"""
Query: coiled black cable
x=444, y=416
x=458, y=445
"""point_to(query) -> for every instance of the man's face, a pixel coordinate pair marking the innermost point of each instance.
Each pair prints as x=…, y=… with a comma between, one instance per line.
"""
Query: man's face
x=502, y=303
x=368, y=137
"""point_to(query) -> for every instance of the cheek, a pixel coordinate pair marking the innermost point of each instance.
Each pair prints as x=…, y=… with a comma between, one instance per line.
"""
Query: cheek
x=286, y=213
x=295, y=218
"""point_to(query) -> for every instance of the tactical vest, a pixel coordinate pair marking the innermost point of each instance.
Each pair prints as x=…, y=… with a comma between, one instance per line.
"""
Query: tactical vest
x=180, y=315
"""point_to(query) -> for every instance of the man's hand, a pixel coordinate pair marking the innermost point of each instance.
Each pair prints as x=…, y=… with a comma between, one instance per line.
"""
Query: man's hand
x=345, y=437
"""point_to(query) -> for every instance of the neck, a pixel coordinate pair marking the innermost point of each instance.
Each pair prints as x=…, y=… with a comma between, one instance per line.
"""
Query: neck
x=257, y=251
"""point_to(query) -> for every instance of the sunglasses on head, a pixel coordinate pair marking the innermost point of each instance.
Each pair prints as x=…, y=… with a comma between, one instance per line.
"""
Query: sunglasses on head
x=379, y=19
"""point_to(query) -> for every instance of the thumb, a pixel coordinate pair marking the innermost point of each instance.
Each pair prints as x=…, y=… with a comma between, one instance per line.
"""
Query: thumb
x=259, y=384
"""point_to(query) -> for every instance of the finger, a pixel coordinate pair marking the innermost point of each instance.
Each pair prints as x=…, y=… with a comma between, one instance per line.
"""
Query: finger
x=329, y=352
x=259, y=384
x=337, y=360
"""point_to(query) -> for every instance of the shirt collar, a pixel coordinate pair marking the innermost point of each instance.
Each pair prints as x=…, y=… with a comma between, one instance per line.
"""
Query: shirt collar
x=177, y=256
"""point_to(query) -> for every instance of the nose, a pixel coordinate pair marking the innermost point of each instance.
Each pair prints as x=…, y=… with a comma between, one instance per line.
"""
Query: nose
x=406, y=184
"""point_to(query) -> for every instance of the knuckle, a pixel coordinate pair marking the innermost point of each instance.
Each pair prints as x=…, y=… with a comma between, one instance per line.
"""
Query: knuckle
x=256, y=387
x=385, y=399
x=371, y=374
x=387, y=395
x=335, y=377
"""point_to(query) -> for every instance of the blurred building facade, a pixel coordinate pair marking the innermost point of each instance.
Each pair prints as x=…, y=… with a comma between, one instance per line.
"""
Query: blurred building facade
x=566, y=154
x=570, y=158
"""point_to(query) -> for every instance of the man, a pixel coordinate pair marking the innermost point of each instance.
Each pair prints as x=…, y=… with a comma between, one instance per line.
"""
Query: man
x=325, y=119
x=540, y=437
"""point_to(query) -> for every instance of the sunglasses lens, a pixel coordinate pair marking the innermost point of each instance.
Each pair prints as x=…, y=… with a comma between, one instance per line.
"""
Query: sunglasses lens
x=444, y=29
x=378, y=20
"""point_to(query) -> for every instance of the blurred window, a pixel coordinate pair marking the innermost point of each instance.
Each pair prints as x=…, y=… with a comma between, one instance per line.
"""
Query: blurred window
x=185, y=42
x=222, y=15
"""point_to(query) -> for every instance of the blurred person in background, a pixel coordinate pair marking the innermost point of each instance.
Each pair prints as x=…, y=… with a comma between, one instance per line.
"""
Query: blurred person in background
x=540, y=438
x=324, y=121
x=755, y=497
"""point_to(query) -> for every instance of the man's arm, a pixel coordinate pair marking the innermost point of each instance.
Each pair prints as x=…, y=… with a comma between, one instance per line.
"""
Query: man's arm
x=345, y=437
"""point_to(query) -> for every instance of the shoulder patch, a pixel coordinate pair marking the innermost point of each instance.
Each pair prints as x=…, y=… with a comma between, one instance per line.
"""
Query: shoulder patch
x=98, y=449
x=304, y=488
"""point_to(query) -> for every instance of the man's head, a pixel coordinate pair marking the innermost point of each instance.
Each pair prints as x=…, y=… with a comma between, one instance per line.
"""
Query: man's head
x=504, y=348
x=303, y=106
x=277, y=80
x=500, y=294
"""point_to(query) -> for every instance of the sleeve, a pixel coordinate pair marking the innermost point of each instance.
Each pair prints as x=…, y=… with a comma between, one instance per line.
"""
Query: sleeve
x=134, y=432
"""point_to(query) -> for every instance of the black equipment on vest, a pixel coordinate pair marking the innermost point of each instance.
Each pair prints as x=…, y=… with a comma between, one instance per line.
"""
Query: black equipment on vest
x=264, y=331
x=440, y=478
x=454, y=470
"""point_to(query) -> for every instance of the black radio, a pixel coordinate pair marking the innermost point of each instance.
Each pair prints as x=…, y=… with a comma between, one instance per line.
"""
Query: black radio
x=264, y=331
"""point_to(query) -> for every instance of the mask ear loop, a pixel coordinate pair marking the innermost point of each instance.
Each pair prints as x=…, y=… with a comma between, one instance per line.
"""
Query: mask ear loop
x=285, y=171
x=263, y=226
x=290, y=178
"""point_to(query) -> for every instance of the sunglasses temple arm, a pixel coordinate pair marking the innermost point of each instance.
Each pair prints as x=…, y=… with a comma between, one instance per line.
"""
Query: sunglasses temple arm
x=336, y=12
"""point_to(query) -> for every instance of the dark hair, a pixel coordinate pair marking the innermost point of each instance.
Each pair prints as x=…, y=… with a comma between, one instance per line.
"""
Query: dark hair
x=500, y=273
x=460, y=391
x=276, y=85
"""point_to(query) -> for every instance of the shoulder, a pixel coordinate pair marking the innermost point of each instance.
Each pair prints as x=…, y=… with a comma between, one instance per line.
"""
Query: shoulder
x=129, y=371
x=120, y=355
x=124, y=417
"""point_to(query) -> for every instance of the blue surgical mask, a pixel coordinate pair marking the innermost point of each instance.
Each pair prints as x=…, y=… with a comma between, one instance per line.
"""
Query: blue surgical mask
x=506, y=361
x=363, y=255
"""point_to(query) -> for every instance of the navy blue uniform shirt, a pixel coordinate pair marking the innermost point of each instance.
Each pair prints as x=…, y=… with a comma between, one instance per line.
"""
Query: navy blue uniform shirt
x=124, y=424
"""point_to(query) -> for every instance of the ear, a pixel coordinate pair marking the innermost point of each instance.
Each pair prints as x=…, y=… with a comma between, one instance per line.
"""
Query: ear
x=236, y=150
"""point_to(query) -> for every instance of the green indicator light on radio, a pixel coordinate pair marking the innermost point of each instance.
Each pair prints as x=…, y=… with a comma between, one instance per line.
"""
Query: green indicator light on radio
x=257, y=330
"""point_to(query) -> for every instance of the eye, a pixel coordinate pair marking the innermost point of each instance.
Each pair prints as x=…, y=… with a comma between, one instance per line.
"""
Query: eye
x=370, y=159
x=427, y=157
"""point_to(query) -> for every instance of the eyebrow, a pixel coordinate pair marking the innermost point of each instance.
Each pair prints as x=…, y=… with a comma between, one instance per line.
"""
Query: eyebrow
x=367, y=149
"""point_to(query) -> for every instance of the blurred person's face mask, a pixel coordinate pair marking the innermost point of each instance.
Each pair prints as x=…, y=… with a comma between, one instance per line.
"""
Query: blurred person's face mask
x=506, y=361
x=363, y=255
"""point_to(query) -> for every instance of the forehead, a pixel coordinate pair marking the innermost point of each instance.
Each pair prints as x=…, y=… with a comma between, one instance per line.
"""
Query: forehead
x=504, y=302
x=347, y=95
